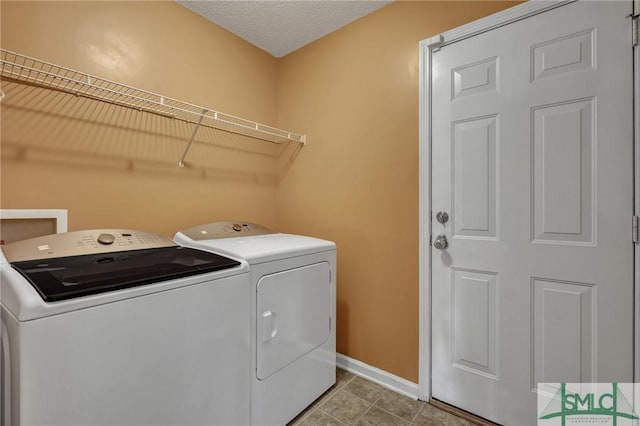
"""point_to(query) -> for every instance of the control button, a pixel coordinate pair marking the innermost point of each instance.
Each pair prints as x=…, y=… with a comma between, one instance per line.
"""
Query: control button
x=106, y=239
x=237, y=227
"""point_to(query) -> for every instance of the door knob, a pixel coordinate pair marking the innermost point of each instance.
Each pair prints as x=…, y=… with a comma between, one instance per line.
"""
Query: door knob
x=442, y=217
x=441, y=242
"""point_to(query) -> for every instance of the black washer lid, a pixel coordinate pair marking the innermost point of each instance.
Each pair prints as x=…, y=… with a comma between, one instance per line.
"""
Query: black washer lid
x=77, y=276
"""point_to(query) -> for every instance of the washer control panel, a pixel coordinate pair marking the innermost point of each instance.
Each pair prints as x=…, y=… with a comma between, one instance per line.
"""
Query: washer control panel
x=217, y=230
x=78, y=243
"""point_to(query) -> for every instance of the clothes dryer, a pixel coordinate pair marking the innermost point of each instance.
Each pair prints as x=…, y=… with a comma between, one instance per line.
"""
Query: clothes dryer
x=293, y=312
x=122, y=327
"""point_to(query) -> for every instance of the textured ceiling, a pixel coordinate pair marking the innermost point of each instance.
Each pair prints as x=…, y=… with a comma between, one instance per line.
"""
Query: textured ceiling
x=282, y=26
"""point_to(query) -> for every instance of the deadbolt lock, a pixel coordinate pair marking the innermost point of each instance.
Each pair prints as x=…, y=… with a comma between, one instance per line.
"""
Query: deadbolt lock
x=442, y=217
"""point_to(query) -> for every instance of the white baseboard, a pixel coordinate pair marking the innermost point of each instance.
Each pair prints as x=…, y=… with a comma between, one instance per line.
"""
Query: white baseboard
x=381, y=377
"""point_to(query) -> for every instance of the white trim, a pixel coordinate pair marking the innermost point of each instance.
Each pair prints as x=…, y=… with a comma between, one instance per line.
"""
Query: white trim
x=499, y=19
x=375, y=375
x=636, y=167
x=424, y=222
x=60, y=216
x=427, y=48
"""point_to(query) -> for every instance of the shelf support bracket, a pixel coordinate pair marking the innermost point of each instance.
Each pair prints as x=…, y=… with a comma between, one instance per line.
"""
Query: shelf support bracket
x=193, y=136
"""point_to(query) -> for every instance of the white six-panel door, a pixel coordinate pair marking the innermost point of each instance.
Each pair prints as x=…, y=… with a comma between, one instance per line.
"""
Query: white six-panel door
x=532, y=159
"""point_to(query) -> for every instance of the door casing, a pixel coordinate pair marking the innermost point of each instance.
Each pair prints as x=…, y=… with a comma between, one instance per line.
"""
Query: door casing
x=427, y=48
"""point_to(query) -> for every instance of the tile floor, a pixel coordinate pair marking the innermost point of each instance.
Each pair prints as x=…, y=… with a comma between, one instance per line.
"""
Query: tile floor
x=356, y=401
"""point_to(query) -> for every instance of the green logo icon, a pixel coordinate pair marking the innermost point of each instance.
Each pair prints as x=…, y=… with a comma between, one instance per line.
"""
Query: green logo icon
x=567, y=404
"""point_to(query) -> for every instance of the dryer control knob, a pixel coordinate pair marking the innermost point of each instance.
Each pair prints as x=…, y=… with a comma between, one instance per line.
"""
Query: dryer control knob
x=237, y=227
x=106, y=239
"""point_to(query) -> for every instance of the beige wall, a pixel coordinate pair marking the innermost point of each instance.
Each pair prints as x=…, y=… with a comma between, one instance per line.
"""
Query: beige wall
x=355, y=94
x=114, y=167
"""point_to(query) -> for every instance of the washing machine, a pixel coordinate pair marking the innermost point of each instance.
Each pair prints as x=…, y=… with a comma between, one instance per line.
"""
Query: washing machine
x=293, y=312
x=122, y=327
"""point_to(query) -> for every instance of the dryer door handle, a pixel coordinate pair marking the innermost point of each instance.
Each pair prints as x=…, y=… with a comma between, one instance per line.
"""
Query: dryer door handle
x=269, y=326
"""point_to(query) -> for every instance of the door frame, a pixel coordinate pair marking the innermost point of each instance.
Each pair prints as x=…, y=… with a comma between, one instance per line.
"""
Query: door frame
x=636, y=192
x=427, y=48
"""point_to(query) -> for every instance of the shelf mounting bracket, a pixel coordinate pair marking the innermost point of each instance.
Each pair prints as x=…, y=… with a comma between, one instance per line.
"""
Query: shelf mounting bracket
x=193, y=136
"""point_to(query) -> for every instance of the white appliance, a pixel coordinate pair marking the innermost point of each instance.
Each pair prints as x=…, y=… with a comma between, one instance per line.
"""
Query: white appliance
x=293, y=311
x=122, y=327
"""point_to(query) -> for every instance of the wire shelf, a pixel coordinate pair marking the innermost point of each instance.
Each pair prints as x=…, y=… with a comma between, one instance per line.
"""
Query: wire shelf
x=34, y=71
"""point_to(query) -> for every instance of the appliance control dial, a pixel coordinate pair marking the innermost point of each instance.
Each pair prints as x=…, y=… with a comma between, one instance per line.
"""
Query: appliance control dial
x=106, y=239
x=237, y=227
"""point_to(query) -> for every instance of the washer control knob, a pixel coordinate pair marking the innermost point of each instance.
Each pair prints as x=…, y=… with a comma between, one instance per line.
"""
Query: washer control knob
x=106, y=239
x=236, y=227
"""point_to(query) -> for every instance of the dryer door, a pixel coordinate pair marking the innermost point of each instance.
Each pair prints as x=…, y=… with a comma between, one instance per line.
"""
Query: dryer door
x=293, y=316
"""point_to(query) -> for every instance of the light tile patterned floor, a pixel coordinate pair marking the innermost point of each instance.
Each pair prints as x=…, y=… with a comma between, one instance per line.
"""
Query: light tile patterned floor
x=356, y=401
